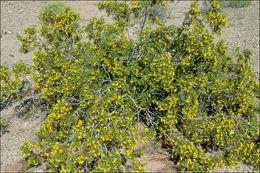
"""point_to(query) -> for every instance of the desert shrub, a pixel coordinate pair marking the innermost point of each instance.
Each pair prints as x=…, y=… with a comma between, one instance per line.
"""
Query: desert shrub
x=53, y=7
x=12, y=82
x=187, y=91
x=235, y=3
x=160, y=11
x=28, y=40
x=227, y=3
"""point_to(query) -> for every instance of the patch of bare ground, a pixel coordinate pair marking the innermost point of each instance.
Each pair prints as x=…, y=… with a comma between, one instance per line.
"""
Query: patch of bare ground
x=156, y=158
x=23, y=123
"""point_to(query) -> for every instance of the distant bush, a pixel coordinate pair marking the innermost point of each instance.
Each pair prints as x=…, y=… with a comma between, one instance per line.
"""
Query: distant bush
x=235, y=3
x=160, y=10
x=53, y=7
x=227, y=3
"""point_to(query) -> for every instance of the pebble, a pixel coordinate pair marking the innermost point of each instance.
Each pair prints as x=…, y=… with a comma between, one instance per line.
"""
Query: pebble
x=9, y=32
x=20, y=11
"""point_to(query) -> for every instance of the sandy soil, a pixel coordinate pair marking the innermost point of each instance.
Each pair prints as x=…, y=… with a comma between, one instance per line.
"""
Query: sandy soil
x=242, y=30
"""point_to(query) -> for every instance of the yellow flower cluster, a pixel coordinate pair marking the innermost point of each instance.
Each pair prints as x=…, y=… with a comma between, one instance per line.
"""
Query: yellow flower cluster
x=32, y=158
x=28, y=40
x=12, y=80
x=3, y=126
x=58, y=27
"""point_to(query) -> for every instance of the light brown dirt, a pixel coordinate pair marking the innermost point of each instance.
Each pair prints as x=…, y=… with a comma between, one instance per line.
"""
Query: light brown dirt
x=19, y=131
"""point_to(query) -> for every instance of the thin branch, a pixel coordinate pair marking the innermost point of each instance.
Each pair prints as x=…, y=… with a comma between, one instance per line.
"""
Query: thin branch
x=107, y=72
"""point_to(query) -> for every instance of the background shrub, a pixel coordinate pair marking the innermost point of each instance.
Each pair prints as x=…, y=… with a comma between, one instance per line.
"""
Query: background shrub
x=55, y=7
x=226, y=3
x=235, y=3
x=161, y=11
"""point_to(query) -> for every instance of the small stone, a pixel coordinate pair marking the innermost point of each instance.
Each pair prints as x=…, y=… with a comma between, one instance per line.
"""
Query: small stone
x=20, y=11
x=39, y=170
x=9, y=32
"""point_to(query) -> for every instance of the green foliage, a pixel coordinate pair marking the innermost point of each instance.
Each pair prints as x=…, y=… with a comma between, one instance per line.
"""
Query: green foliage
x=29, y=39
x=160, y=11
x=59, y=28
x=32, y=159
x=12, y=81
x=30, y=111
x=235, y=3
x=3, y=127
x=55, y=7
x=186, y=90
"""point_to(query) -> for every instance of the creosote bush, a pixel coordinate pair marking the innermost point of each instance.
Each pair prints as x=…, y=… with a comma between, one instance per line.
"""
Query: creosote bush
x=187, y=91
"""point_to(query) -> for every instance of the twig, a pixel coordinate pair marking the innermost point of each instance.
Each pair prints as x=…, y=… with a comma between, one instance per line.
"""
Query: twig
x=106, y=72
